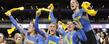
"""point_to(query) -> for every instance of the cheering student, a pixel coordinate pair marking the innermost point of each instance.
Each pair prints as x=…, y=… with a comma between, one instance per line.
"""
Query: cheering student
x=80, y=17
x=50, y=38
x=31, y=36
x=67, y=36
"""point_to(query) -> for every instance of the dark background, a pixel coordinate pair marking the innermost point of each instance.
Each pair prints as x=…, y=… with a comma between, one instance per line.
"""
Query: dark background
x=62, y=11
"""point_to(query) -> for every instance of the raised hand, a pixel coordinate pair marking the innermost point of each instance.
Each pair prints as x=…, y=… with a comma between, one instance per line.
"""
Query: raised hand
x=8, y=13
x=51, y=7
x=88, y=9
x=38, y=12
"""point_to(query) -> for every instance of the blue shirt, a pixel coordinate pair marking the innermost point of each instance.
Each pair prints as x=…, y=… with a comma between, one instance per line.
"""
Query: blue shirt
x=85, y=22
x=49, y=38
x=37, y=39
x=74, y=35
x=52, y=39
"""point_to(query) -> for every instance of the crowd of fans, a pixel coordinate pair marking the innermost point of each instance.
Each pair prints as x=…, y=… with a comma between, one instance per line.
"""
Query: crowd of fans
x=76, y=31
x=18, y=38
x=102, y=36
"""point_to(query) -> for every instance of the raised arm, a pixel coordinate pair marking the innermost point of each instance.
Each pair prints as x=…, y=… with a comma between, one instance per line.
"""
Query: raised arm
x=51, y=15
x=14, y=22
x=61, y=31
x=76, y=16
x=52, y=18
x=85, y=8
x=36, y=24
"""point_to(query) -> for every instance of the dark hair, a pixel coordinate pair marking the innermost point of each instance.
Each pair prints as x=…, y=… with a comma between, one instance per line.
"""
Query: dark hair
x=106, y=39
x=10, y=41
x=103, y=34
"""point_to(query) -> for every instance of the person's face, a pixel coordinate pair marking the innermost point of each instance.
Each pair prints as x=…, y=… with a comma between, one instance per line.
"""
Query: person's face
x=18, y=38
x=1, y=37
x=70, y=25
x=31, y=28
x=52, y=28
x=102, y=35
x=73, y=4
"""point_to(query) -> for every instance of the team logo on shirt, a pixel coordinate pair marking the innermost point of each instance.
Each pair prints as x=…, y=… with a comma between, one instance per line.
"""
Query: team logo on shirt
x=51, y=42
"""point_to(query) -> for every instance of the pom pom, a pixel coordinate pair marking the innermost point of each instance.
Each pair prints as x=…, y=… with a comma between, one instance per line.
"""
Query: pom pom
x=85, y=4
x=92, y=12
